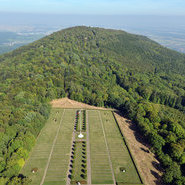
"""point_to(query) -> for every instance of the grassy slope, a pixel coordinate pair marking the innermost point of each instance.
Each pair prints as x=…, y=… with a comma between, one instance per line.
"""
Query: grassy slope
x=60, y=158
x=119, y=154
x=100, y=167
x=118, y=151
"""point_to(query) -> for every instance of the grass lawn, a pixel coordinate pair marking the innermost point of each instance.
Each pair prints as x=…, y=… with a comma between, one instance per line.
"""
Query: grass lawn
x=100, y=167
x=59, y=160
x=120, y=156
x=108, y=152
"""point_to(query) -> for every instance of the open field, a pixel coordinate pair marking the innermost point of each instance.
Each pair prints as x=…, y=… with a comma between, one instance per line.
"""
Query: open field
x=146, y=162
x=101, y=172
x=52, y=151
x=62, y=158
x=103, y=129
x=120, y=155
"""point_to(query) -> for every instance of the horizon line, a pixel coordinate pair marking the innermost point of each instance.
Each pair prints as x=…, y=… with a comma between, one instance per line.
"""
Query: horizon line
x=77, y=14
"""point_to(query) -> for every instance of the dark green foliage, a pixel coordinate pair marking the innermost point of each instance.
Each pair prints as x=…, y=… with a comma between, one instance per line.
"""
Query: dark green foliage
x=142, y=79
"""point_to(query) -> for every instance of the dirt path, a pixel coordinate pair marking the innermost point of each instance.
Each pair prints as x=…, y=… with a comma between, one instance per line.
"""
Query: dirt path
x=54, y=141
x=148, y=165
x=110, y=162
x=88, y=152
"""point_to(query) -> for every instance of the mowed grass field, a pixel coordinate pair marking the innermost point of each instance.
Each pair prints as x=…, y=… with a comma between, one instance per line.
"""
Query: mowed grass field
x=52, y=150
x=108, y=152
x=120, y=157
x=100, y=166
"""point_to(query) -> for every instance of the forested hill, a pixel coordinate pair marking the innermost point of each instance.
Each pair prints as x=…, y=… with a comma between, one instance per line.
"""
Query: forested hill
x=134, y=51
x=142, y=79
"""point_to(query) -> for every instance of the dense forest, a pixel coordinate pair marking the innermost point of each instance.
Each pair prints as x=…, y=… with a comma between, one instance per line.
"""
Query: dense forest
x=110, y=68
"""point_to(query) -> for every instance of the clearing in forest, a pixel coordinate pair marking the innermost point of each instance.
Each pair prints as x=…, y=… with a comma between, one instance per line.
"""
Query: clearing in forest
x=100, y=156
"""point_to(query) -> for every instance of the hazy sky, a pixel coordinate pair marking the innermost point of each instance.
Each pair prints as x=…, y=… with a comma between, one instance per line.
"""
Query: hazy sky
x=105, y=7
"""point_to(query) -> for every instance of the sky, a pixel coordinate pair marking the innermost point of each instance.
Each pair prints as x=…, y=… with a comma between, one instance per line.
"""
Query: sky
x=94, y=7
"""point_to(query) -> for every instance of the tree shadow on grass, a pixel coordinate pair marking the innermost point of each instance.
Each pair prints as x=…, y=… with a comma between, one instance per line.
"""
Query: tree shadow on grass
x=158, y=180
x=83, y=165
x=145, y=150
x=157, y=166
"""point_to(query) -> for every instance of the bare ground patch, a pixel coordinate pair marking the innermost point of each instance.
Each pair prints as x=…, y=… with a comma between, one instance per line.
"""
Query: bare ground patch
x=148, y=165
x=67, y=103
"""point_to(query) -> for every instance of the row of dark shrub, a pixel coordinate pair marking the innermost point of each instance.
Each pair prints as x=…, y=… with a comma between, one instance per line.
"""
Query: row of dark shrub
x=77, y=122
x=83, y=162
